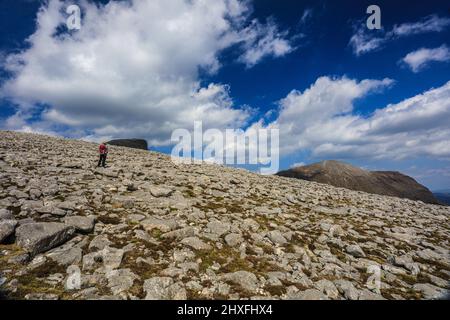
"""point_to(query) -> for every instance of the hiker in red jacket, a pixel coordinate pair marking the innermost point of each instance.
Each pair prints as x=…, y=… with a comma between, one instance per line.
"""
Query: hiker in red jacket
x=103, y=151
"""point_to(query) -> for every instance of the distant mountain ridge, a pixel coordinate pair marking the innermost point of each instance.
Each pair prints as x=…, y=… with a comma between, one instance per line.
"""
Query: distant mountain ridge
x=344, y=175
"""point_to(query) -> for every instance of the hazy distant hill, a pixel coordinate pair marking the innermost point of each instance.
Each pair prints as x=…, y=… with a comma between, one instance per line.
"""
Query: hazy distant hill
x=340, y=174
x=443, y=196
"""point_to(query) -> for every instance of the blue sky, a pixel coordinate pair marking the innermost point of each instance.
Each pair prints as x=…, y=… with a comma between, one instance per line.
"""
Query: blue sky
x=378, y=99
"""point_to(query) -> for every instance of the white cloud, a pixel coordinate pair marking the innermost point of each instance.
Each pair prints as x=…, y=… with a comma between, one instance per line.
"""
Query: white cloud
x=436, y=178
x=321, y=119
x=419, y=59
x=442, y=172
x=321, y=112
x=133, y=67
x=298, y=164
x=364, y=40
x=307, y=15
x=431, y=23
x=19, y=122
x=263, y=40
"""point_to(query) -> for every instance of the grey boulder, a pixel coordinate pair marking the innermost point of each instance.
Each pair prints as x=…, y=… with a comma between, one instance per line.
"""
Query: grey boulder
x=80, y=223
x=163, y=288
x=6, y=214
x=160, y=191
x=196, y=243
x=246, y=280
x=42, y=236
x=120, y=280
x=355, y=251
x=66, y=256
x=309, y=294
x=161, y=224
x=7, y=228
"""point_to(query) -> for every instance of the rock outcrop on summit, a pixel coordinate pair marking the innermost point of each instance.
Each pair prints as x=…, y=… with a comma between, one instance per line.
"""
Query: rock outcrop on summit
x=130, y=143
x=344, y=175
x=150, y=228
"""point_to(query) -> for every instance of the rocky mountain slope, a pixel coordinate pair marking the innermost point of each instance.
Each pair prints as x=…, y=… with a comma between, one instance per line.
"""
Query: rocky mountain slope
x=148, y=228
x=344, y=175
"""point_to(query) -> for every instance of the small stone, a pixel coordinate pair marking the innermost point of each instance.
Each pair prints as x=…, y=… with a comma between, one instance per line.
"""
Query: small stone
x=157, y=288
x=180, y=233
x=309, y=294
x=72, y=165
x=107, y=172
x=6, y=215
x=172, y=272
x=131, y=187
x=428, y=254
x=327, y=287
x=41, y=296
x=429, y=291
x=196, y=243
x=108, y=258
x=20, y=259
x=347, y=288
x=52, y=210
x=67, y=205
x=407, y=262
x=246, y=280
x=218, y=228
x=54, y=279
x=135, y=218
x=160, y=192
x=177, y=292
x=369, y=295
x=128, y=204
x=194, y=285
x=81, y=223
x=160, y=224
x=277, y=237
x=355, y=251
x=437, y=281
x=120, y=280
x=67, y=256
x=233, y=239
x=189, y=266
x=99, y=242
x=183, y=255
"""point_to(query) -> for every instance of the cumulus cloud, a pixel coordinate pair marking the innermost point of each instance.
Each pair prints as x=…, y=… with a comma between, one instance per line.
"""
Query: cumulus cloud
x=321, y=119
x=436, y=178
x=419, y=59
x=365, y=40
x=133, y=67
x=321, y=112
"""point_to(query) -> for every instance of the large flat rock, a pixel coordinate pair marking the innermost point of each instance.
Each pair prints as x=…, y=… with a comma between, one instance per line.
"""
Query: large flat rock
x=42, y=236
